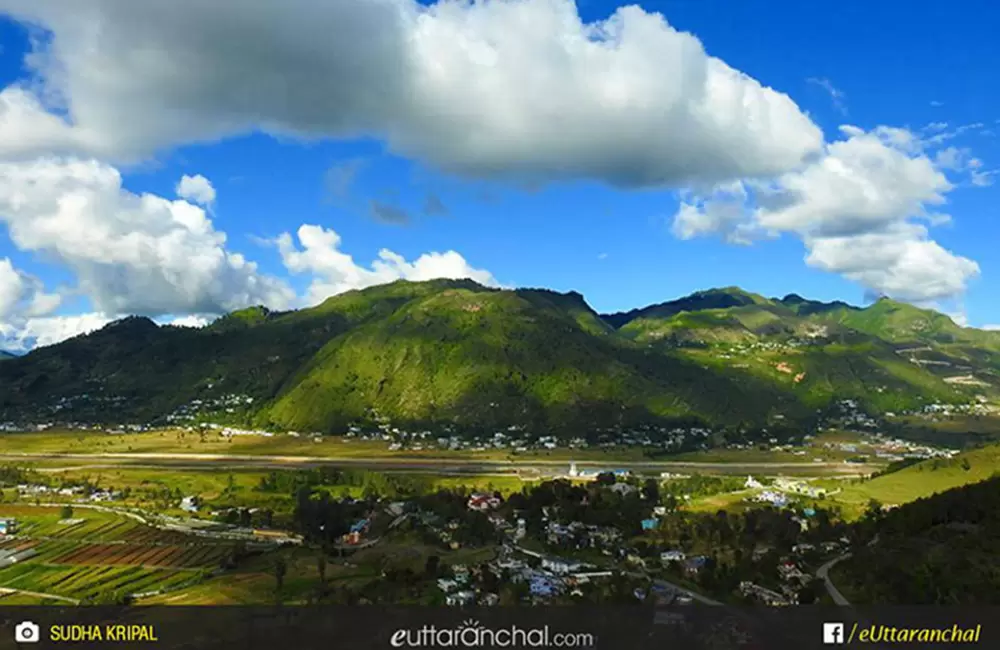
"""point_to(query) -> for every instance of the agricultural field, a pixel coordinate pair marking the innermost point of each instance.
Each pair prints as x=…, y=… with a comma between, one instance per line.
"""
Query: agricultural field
x=97, y=556
x=254, y=581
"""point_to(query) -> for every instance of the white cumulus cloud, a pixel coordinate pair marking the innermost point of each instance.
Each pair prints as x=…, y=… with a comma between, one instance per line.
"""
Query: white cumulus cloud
x=196, y=189
x=318, y=254
x=129, y=253
x=37, y=332
x=21, y=295
x=862, y=210
x=189, y=320
x=517, y=89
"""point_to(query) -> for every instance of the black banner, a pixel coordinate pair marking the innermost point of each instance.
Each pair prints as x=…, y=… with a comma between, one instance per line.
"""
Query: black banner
x=603, y=628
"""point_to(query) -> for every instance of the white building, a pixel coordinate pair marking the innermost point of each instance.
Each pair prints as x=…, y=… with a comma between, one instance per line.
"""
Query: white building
x=561, y=567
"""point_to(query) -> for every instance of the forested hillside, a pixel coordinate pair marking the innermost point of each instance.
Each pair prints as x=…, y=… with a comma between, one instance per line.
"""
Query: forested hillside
x=456, y=353
x=937, y=550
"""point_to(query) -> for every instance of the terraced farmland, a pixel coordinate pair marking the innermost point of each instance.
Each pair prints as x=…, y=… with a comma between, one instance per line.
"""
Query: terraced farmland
x=171, y=556
x=92, y=581
x=96, y=556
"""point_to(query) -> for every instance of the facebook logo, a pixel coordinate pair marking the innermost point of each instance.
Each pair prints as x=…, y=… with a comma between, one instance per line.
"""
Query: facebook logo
x=833, y=633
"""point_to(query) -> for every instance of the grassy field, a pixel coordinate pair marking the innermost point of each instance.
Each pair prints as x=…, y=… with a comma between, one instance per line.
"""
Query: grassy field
x=729, y=501
x=237, y=488
x=179, y=442
x=917, y=481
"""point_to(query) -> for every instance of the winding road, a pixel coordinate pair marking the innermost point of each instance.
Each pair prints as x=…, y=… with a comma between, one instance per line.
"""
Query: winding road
x=823, y=573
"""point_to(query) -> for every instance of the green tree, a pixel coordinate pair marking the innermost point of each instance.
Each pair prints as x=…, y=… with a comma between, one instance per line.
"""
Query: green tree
x=605, y=478
x=66, y=512
x=873, y=512
x=321, y=567
x=432, y=566
x=280, y=571
x=651, y=490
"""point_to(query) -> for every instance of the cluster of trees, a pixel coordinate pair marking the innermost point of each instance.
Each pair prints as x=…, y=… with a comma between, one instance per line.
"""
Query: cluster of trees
x=372, y=484
x=937, y=550
x=263, y=518
x=322, y=518
x=13, y=475
x=449, y=509
x=592, y=504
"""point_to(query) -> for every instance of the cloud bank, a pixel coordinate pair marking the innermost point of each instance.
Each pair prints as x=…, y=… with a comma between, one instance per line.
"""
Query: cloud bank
x=520, y=90
x=863, y=209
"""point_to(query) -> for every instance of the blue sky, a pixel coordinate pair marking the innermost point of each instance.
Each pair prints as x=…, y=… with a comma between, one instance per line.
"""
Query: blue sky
x=766, y=208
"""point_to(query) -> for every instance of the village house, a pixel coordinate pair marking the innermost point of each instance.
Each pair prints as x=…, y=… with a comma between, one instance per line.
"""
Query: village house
x=483, y=502
x=623, y=489
x=397, y=508
x=673, y=555
x=560, y=566
x=762, y=594
x=542, y=586
x=693, y=565
x=774, y=498
x=789, y=571
x=447, y=585
x=461, y=598
x=635, y=559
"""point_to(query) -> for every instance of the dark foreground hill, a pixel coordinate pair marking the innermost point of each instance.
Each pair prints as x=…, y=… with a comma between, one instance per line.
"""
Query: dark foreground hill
x=456, y=353
x=939, y=550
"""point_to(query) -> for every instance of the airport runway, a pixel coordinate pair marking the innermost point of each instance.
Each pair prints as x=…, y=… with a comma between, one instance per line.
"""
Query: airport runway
x=528, y=467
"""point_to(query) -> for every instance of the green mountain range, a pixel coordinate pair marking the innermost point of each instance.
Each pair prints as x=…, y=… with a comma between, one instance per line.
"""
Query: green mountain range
x=456, y=353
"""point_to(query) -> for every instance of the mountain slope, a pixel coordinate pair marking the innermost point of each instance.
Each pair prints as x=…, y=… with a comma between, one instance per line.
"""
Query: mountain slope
x=937, y=550
x=456, y=353
x=484, y=358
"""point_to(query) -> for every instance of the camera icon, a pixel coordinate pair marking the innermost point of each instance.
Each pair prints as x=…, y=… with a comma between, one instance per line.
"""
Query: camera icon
x=26, y=632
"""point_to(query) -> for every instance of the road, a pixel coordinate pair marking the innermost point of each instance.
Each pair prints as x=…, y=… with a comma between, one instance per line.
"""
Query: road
x=705, y=600
x=402, y=463
x=823, y=573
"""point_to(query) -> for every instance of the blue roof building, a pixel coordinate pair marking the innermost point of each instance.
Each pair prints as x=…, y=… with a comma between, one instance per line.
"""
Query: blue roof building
x=541, y=586
x=650, y=524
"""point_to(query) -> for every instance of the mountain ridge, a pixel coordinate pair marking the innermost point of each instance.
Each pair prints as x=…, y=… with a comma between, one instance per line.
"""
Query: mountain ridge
x=455, y=353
